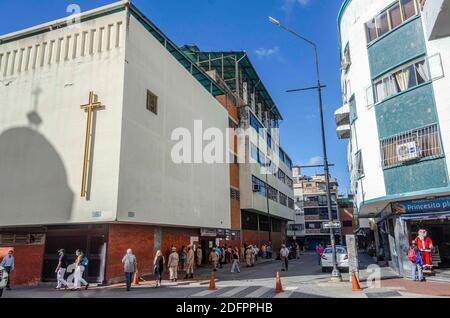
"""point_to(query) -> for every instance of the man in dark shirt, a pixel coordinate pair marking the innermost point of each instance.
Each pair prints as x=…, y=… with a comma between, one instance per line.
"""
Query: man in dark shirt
x=61, y=270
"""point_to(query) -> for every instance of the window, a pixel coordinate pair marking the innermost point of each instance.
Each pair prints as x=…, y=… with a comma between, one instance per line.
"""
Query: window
x=359, y=168
x=254, y=152
x=264, y=224
x=273, y=193
x=283, y=199
x=395, y=15
x=152, y=102
x=249, y=221
x=281, y=176
x=382, y=24
x=409, y=8
x=290, y=203
x=392, y=17
x=289, y=182
x=415, y=144
x=345, y=63
x=261, y=184
x=403, y=78
x=269, y=141
x=276, y=225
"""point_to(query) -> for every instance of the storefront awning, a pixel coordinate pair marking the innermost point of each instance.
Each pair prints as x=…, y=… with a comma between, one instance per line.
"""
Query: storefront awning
x=426, y=216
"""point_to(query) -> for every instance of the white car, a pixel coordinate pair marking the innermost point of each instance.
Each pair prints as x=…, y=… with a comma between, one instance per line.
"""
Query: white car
x=342, y=259
x=3, y=280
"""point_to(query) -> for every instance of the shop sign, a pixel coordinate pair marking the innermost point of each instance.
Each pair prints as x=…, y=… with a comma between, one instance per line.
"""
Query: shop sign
x=208, y=232
x=417, y=206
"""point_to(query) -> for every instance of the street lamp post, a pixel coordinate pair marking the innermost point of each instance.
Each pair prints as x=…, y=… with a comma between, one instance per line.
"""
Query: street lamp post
x=336, y=275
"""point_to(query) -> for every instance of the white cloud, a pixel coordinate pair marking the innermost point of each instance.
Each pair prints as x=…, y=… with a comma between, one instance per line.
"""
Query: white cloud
x=288, y=5
x=313, y=161
x=266, y=52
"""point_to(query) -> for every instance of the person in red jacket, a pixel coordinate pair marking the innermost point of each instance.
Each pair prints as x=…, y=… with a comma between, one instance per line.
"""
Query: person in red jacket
x=425, y=245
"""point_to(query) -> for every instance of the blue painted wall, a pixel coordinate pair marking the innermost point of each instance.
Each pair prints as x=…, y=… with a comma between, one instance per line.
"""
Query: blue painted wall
x=416, y=177
x=402, y=44
x=409, y=110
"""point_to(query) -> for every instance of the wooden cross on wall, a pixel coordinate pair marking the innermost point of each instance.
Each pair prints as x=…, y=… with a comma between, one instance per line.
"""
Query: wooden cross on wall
x=89, y=108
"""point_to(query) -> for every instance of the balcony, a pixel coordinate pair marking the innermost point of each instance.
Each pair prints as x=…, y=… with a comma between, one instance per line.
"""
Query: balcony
x=343, y=131
x=436, y=14
x=342, y=118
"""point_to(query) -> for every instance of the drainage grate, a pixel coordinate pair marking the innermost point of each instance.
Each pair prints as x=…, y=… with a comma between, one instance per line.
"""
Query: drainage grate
x=384, y=294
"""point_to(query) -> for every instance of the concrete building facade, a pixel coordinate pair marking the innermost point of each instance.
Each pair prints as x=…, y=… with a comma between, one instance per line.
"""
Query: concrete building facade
x=394, y=74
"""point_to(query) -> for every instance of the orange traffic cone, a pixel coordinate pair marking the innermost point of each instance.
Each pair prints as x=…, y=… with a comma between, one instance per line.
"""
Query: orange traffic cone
x=212, y=281
x=279, y=288
x=136, y=278
x=355, y=283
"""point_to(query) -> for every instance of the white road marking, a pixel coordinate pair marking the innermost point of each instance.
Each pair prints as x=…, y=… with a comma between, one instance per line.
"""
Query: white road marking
x=233, y=292
x=258, y=293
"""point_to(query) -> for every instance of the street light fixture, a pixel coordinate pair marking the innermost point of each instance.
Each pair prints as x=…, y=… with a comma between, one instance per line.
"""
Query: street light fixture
x=335, y=275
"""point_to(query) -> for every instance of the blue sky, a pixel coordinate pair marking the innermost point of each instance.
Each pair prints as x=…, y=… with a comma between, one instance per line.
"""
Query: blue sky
x=281, y=60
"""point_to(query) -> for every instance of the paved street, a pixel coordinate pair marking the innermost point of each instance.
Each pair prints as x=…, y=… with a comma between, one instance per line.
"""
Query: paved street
x=303, y=280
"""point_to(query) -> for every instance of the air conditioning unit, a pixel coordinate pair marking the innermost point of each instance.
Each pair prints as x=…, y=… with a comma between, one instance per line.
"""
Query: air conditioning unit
x=256, y=188
x=407, y=151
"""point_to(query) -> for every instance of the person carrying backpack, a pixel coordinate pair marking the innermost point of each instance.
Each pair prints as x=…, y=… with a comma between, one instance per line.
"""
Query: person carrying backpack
x=81, y=263
x=415, y=258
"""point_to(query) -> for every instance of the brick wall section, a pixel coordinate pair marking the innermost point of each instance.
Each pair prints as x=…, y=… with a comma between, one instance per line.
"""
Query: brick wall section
x=122, y=237
x=235, y=214
x=346, y=214
x=176, y=237
x=253, y=237
x=28, y=264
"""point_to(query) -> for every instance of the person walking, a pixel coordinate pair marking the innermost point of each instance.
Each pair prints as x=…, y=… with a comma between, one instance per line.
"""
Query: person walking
x=129, y=267
x=190, y=262
x=158, y=270
x=183, y=256
x=415, y=256
x=253, y=255
x=319, y=251
x=8, y=264
x=284, y=255
x=269, y=251
x=248, y=255
x=214, y=258
x=199, y=253
x=61, y=269
x=264, y=251
x=297, y=251
x=173, y=264
x=235, y=261
x=80, y=266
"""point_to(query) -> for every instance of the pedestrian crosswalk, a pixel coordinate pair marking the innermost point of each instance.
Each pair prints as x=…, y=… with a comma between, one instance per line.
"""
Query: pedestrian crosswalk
x=252, y=292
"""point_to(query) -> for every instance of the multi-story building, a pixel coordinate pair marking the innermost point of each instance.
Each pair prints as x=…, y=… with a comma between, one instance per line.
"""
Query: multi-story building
x=395, y=65
x=115, y=184
x=311, y=198
x=296, y=228
x=262, y=177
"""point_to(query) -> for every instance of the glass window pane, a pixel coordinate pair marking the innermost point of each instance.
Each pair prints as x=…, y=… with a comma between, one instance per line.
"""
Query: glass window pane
x=379, y=91
x=382, y=24
x=409, y=9
x=371, y=31
x=410, y=76
x=395, y=14
x=422, y=72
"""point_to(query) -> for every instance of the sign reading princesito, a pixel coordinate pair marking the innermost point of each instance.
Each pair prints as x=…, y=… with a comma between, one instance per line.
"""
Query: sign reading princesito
x=414, y=206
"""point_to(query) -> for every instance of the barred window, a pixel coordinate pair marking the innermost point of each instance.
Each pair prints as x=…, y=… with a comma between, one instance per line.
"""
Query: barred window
x=276, y=225
x=249, y=221
x=152, y=102
x=264, y=224
x=261, y=185
x=359, y=167
x=412, y=145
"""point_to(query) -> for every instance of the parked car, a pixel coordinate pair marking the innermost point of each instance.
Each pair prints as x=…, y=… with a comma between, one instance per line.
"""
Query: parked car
x=342, y=259
x=3, y=280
